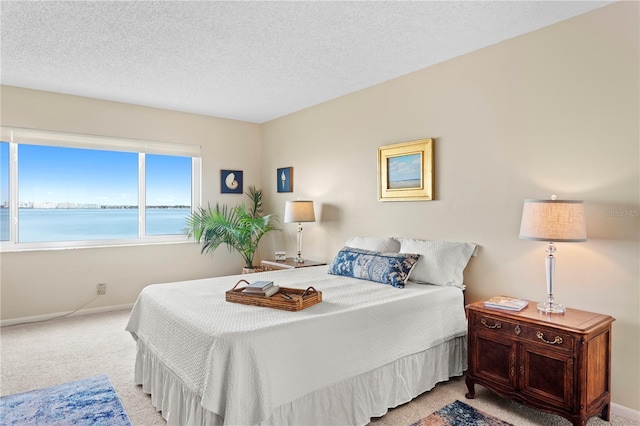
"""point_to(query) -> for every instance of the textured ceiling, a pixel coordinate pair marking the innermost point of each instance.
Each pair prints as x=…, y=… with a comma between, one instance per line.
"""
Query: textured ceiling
x=250, y=61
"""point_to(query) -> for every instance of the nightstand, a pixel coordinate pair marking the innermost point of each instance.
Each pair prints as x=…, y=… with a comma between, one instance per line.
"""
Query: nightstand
x=560, y=363
x=288, y=263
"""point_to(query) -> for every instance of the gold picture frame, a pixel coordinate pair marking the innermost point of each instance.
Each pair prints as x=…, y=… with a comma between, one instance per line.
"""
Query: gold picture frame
x=405, y=171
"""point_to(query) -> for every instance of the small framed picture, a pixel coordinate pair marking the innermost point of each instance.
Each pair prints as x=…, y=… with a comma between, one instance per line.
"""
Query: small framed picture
x=284, y=179
x=231, y=181
x=405, y=171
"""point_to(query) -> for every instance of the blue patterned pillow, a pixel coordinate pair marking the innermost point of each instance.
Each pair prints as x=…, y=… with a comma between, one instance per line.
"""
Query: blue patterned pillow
x=386, y=268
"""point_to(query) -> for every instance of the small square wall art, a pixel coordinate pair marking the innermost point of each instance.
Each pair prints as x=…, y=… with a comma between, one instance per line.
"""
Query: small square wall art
x=231, y=181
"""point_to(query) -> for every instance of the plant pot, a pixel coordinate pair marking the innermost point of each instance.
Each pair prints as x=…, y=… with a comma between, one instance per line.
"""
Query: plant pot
x=252, y=270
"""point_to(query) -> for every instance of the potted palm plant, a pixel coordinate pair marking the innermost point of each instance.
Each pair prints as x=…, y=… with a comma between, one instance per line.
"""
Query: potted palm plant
x=239, y=228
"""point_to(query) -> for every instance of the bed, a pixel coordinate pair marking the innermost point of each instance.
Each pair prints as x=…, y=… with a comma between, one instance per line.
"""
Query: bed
x=365, y=348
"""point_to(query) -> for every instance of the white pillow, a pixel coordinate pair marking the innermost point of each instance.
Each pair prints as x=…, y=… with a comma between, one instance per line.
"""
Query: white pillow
x=379, y=244
x=440, y=262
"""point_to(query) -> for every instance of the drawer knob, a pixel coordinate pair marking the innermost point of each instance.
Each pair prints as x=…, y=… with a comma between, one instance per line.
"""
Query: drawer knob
x=557, y=341
x=517, y=330
x=496, y=324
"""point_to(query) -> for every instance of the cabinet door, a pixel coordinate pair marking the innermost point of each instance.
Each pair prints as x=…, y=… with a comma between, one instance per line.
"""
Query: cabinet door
x=546, y=375
x=494, y=359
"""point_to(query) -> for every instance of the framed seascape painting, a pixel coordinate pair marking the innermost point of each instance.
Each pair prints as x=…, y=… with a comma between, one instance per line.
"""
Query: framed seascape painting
x=405, y=171
x=231, y=181
x=284, y=179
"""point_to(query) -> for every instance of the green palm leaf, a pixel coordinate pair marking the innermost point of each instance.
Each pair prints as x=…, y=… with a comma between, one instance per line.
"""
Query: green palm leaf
x=238, y=228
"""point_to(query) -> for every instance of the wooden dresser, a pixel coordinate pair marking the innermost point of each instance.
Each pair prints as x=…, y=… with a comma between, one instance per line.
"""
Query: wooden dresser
x=559, y=363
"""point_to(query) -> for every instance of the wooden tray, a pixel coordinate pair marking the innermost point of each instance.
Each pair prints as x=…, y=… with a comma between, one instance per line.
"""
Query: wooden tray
x=299, y=299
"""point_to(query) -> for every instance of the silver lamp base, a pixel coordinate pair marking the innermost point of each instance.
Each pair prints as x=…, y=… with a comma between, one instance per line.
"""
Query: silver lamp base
x=551, y=308
x=299, y=258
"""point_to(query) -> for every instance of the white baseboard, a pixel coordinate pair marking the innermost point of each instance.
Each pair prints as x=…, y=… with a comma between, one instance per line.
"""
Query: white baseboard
x=38, y=318
x=625, y=412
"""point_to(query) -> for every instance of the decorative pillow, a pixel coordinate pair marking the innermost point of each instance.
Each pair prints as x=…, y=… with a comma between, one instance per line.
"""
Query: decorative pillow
x=440, y=262
x=379, y=244
x=386, y=268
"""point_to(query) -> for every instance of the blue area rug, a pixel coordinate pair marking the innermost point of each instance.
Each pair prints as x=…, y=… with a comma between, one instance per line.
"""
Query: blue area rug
x=91, y=401
x=460, y=414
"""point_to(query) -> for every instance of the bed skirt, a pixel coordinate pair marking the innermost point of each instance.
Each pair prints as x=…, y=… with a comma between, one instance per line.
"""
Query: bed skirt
x=351, y=402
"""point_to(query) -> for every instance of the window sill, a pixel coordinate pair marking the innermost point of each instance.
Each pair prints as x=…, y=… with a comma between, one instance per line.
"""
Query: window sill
x=7, y=247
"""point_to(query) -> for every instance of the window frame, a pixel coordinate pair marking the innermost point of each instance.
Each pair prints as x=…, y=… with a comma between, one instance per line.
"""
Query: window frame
x=17, y=136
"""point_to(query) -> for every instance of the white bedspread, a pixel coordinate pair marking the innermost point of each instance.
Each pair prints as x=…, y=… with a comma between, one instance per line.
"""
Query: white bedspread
x=244, y=361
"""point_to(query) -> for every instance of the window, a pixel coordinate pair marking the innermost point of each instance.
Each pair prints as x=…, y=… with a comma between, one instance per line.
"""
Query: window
x=168, y=195
x=72, y=190
x=74, y=194
x=4, y=191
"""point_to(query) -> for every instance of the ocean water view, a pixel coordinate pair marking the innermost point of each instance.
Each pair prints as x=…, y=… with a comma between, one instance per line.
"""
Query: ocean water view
x=49, y=225
x=405, y=184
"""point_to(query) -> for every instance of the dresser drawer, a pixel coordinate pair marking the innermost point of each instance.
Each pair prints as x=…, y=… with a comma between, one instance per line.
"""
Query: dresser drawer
x=529, y=332
x=547, y=337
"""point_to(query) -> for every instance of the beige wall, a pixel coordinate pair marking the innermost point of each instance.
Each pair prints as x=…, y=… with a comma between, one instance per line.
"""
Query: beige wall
x=551, y=112
x=38, y=283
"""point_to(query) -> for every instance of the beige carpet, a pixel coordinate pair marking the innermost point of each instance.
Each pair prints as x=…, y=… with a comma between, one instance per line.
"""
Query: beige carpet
x=44, y=354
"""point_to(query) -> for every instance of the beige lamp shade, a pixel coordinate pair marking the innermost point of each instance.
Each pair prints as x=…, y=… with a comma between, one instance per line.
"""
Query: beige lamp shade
x=299, y=211
x=553, y=220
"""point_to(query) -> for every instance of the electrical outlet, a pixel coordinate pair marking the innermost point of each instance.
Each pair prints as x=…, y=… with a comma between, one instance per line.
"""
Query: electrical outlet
x=102, y=289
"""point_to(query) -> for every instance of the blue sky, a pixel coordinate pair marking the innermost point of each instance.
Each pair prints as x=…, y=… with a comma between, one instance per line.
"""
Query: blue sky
x=404, y=167
x=71, y=175
x=168, y=180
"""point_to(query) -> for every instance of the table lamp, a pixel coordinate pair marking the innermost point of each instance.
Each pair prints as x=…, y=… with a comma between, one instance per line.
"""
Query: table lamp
x=553, y=221
x=299, y=211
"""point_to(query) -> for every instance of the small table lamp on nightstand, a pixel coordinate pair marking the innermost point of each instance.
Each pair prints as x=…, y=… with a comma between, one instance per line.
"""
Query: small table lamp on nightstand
x=299, y=211
x=553, y=221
